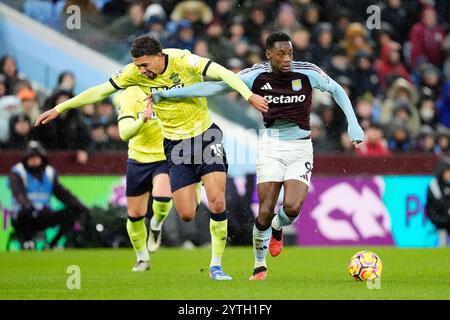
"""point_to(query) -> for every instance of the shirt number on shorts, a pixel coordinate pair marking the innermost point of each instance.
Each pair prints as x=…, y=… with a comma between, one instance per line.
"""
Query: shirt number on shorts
x=308, y=166
x=217, y=150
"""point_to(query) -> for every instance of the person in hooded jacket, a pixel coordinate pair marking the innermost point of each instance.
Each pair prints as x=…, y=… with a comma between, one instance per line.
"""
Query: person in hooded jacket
x=33, y=181
x=438, y=196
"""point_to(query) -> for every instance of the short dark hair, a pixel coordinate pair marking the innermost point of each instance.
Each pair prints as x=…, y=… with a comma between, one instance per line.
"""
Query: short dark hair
x=276, y=37
x=145, y=46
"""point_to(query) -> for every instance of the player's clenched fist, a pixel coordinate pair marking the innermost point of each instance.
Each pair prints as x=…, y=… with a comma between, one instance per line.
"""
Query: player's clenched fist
x=147, y=114
x=46, y=117
x=259, y=103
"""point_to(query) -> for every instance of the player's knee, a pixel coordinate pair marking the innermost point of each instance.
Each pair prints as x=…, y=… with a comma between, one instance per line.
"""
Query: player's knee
x=135, y=213
x=292, y=208
x=217, y=204
x=264, y=220
x=266, y=210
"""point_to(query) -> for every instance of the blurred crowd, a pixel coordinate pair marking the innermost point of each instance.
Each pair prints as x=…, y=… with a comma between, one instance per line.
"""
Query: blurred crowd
x=397, y=75
x=85, y=131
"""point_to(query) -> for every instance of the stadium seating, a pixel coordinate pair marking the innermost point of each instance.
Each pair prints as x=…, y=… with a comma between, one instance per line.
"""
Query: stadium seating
x=44, y=11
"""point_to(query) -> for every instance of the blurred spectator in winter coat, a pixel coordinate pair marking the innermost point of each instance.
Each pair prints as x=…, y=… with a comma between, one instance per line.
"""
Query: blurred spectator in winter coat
x=390, y=64
x=322, y=48
x=29, y=104
x=218, y=46
x=67, y=132
x=338, y=65
x=66, y=81
x=427, y=111
x=426, y=39
x=364, y=75
x=256, y=23
x=396, y=15
x=156, y=26
x=237, y=38
x=114, y=9
x=197, y=12
x=9, y=107
x=301, y=45
x=374, y=144
x=442, y=140
x=425, y=142
x=429, y=82
x=8, y=68
x=130, y=26
x=183, y=38
x=355, y=40
x=401, y=91
x=399, y=137
x=224, y=12
x=20, y=132
x=286, y=20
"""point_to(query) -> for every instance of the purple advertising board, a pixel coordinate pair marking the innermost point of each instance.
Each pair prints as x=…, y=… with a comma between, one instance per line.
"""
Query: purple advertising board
x=345, y=212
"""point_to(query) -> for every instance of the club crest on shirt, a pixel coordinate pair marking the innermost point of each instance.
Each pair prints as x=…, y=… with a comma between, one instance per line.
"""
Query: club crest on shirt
x=296, y=85
x=175, y=78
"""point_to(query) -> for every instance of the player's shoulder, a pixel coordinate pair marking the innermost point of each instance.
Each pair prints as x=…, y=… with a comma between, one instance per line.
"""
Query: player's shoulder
x=126, y=70
x=307, y=68
x=176, y=53
x=255, y=69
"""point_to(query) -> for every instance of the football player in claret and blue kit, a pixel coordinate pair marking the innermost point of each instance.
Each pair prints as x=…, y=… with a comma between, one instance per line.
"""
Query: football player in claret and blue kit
x=285, y=154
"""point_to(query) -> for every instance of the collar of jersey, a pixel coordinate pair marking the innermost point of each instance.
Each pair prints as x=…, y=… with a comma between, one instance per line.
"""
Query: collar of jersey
x=166, y=64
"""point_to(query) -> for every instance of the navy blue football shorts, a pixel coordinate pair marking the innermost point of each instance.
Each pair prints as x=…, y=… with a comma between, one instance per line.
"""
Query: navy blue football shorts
x=192, y=158
x=140, y=176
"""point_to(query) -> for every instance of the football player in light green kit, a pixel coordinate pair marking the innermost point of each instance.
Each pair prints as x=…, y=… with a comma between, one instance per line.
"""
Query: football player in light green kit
x=147, y=172
x=183, y=122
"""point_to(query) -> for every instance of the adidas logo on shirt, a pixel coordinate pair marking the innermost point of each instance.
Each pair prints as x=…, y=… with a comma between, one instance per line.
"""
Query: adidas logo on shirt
x=267, y=86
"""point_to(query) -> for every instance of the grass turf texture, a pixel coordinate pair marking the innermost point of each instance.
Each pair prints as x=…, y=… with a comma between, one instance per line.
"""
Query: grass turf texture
x=298, y=273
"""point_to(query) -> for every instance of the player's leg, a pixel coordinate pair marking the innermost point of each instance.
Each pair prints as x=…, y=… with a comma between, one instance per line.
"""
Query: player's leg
x=214, y=184
x=268, y=193
x=161, y=205
x=137, y=231
x=186, y=202
x=298, y=154
x=138, y=185
x=270, y=172
x=213, y=170
x=295, y=192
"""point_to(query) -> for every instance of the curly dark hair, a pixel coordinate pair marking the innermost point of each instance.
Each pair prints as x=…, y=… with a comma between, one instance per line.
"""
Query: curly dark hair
x=145, y=46
x=275, y=37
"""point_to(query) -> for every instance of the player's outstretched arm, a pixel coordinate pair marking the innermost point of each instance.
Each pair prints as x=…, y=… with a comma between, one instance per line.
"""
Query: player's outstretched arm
x=355, y=131
x=91, y=95
x=320, y=80
x=202, y=89
x=217, y=72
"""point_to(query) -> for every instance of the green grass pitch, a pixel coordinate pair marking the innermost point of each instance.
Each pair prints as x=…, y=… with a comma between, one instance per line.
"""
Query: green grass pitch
x=298, y=273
